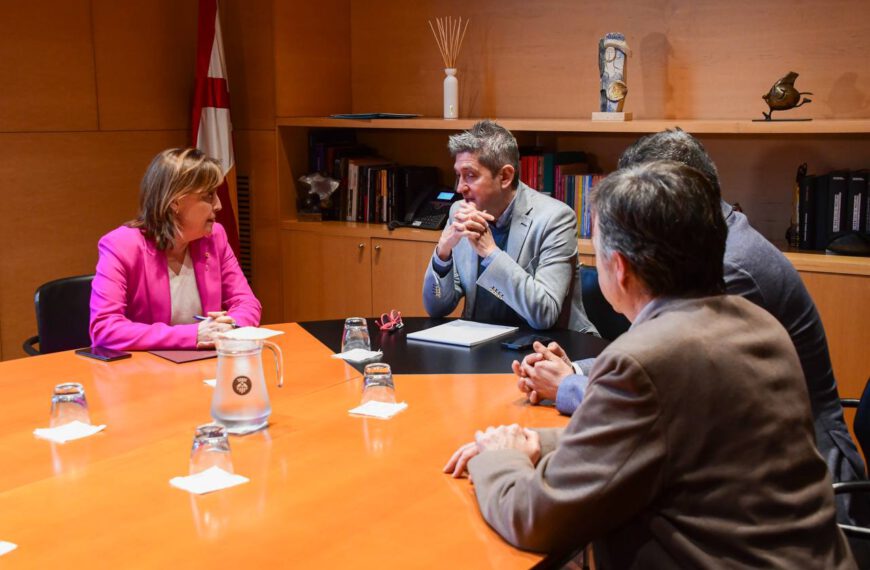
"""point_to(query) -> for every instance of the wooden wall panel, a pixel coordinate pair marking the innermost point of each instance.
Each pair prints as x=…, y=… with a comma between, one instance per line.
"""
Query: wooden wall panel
x=313, y=57
x=145, y=53
x=691, y=59
x=842, y=303
x=256, y=157
x=46, y=66
x=61, y=193
x=250, y=59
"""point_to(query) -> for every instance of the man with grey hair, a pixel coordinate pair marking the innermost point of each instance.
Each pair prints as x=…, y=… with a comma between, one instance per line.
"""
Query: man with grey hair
x=759, y=272
x=510, y=251
x=668, y=462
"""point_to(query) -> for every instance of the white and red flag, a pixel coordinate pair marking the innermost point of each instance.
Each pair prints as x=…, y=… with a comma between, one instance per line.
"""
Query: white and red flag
x=212, y=129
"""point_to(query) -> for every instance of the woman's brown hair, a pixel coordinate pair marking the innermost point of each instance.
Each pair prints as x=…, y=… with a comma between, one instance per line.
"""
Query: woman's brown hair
x=172, y=174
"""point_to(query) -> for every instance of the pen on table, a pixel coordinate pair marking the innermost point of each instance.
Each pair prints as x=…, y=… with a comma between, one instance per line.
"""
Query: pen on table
x=202, y=318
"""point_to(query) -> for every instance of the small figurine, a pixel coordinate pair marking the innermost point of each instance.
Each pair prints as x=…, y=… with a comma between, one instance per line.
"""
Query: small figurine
x=612, y=51
x=320, y=189
x=783, y=96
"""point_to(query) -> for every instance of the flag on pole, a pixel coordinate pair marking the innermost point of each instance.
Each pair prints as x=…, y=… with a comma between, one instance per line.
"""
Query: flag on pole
x=212, y=129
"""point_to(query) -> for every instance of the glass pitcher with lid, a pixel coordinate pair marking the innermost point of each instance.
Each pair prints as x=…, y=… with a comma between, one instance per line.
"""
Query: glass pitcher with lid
x=241, y=400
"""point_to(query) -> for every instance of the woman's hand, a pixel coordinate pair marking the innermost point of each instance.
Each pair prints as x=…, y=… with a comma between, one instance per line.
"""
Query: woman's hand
x=211, y=327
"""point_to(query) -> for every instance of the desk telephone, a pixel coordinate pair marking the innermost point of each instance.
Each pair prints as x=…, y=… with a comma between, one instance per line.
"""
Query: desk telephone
x=429, y=209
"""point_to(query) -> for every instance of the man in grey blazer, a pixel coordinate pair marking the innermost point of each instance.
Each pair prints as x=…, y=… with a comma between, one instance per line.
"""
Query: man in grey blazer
x=510, y=251
x=676, y=457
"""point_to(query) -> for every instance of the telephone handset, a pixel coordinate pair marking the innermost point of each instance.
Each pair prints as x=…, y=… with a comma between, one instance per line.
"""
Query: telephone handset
x=429, y=209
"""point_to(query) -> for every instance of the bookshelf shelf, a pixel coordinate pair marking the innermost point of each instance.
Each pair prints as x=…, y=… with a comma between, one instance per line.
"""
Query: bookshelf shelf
x=702, y=126
x=809, y=261
x=293, y=146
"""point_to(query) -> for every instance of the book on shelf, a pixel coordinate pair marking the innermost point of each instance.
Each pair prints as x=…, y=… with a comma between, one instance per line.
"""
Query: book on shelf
x=833, y=212
x=856, y=201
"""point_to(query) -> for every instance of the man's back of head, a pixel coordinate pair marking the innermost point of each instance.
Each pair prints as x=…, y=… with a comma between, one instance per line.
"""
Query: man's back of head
x=676, y=145
x=662, y=217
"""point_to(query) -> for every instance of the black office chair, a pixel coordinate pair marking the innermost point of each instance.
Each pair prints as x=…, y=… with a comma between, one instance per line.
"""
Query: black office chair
x=861, y=426
x=62, y=315
x=609, y=323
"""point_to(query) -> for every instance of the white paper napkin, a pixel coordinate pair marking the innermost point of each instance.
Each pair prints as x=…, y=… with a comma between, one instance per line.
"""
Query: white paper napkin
x=358, y=355
x=212, y=479
x=211, y=382
x=381, y=410
x=68, y=432
x=251, y=333
x=6, y=547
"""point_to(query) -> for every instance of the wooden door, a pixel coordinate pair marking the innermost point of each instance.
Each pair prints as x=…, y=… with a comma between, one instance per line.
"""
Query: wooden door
x=397, y=276
x=325, y=276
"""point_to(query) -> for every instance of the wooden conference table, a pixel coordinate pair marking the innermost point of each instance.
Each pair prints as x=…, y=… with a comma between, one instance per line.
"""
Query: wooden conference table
x=326, y=489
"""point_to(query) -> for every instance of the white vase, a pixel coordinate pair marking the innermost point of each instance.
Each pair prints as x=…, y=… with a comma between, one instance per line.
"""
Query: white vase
x=451, y=94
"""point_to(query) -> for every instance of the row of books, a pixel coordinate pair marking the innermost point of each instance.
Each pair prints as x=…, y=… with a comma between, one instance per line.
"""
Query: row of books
x=374, y=189
x=540, y=169
x=574, y=190
x=371, y=188
x=566, y=176
x=829, y=206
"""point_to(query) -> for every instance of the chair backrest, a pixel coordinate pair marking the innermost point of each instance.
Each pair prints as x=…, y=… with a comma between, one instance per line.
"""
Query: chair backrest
x=861, y=424
x=608, y=322
x=63, y=313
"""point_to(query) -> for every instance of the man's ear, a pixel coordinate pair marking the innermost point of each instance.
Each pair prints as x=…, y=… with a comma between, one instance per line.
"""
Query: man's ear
x=507, y=176
x=622, y=271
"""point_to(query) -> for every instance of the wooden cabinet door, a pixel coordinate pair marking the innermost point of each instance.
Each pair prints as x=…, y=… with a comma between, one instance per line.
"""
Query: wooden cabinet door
x=397, y=276
x=325, y=276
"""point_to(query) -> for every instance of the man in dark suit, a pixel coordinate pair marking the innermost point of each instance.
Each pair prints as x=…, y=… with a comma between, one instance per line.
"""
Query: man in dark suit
x=676, y=457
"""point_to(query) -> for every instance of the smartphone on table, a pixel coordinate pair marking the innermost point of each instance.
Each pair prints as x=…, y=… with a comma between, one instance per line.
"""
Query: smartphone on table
x=104, y=354
x=525, y=342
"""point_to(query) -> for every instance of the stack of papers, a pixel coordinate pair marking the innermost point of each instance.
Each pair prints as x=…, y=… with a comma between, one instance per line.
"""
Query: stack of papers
x=358, y=355
x=251, y=333
x=380, y=410
x=6, y=547
x=212, y=479
x=462, y=333
x=68, y=432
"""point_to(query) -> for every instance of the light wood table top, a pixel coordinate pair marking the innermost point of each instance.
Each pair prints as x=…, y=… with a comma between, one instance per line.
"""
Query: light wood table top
x=327, y=489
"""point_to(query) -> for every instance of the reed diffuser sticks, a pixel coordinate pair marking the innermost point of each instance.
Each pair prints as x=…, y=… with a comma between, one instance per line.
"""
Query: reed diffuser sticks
x=449, y=38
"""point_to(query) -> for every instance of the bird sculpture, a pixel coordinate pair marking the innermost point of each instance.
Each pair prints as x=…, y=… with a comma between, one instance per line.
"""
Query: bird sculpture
x=783, y=96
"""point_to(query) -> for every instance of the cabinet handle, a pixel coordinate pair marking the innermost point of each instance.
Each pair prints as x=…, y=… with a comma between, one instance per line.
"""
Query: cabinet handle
x=362, y=245
x=377, y=248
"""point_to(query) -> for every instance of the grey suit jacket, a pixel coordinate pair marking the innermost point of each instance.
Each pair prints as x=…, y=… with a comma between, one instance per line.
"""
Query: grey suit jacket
x=693, y=448
x=534, y=275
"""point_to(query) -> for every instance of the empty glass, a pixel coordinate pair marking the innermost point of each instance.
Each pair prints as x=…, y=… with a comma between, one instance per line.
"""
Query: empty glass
x=211, y=448
x=378, y=383
x=356, y=335
x=68, y=404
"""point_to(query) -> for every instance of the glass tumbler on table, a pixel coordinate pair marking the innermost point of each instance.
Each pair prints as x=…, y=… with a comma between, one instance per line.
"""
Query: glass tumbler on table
x=356, y=335
x=211, y=448
x=378, y=383
x=68, y=404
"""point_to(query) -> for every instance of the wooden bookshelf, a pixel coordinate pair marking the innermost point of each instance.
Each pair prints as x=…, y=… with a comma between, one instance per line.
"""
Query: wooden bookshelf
x=805, y=261
x=696, y=126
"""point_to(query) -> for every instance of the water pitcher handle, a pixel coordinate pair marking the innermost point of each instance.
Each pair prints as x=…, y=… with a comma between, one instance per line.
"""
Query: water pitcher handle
x=279, y=360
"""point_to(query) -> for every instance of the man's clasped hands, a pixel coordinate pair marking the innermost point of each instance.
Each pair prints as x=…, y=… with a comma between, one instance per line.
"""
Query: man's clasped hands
x=471, y=223
x=538, y=376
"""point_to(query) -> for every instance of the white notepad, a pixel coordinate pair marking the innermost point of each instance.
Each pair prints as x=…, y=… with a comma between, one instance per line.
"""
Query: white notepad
x=462, y=333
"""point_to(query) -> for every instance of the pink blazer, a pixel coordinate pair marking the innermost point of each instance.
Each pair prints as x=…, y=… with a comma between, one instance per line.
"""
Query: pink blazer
x=130, y=302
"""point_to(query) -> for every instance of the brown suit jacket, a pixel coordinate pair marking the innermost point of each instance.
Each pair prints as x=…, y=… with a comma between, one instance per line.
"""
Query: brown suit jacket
x=693, y=447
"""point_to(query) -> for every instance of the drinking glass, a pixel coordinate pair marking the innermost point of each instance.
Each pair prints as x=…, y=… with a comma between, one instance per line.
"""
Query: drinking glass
x=378, y=383
x=211, y=448
x=68, y=404
x=356, y=335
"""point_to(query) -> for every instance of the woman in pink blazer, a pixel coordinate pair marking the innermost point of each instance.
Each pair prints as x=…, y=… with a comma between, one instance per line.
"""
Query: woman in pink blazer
x=155, y=273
